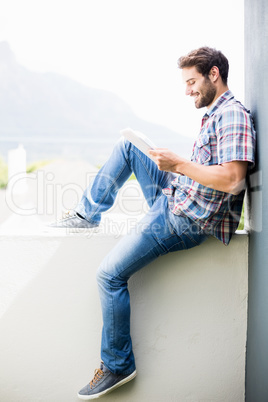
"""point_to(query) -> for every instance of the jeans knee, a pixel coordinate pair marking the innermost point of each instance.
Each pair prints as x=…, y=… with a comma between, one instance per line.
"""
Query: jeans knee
x=100, y=277
x=108, y=280
x=103, y=278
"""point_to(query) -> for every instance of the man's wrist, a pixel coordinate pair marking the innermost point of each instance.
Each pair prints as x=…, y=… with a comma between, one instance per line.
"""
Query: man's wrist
x=181, y=166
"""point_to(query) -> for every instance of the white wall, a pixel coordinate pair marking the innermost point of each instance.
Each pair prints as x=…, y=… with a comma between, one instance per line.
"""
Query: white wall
x=189, y=312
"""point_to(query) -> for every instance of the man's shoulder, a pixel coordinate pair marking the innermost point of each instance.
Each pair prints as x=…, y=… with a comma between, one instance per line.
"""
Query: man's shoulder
x=231, y=107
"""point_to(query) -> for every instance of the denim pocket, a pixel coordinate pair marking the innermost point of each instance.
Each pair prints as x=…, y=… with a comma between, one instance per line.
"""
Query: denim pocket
x=189, y=233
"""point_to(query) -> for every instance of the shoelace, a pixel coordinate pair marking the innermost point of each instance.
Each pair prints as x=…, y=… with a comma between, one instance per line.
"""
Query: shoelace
x=98, y=374
x=66, y=214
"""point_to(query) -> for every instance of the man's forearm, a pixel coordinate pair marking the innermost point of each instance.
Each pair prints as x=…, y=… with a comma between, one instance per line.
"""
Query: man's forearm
x=227, y=177
x=219, y=177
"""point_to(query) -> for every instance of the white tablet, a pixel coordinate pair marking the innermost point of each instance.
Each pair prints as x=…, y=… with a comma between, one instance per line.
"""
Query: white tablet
x=138, y=139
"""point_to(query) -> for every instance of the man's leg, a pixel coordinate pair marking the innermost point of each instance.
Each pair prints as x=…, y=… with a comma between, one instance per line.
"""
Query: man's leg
x=125, y=159
x=153, y=236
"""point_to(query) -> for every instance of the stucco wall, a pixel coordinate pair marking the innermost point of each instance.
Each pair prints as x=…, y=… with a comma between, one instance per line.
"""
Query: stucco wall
x=189, y=317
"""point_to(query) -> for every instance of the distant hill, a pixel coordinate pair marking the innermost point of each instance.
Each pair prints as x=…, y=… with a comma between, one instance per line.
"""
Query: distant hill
x=55, y=115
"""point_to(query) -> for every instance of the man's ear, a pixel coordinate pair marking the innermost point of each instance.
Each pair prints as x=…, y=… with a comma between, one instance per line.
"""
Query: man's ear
x=214, y=74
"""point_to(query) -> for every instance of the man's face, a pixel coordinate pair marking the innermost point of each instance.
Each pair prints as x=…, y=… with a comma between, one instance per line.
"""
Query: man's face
x=199, y=87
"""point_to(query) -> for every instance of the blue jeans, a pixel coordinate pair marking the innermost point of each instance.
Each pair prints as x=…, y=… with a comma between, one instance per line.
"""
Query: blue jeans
x=158, y=233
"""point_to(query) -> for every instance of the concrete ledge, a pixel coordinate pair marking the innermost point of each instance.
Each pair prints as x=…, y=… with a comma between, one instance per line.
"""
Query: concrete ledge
x=189, y=316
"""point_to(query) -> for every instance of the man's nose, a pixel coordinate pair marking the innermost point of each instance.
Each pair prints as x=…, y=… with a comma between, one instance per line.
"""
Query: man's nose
x=188, y=90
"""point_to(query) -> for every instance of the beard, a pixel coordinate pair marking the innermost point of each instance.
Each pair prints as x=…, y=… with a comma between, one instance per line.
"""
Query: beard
x=206, y=94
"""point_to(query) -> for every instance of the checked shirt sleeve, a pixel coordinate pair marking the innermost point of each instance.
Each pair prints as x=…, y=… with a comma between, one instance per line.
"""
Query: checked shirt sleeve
x=235, y=134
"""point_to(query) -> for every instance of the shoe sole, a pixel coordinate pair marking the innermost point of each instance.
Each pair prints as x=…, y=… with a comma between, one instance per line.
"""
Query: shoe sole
x=106, y=391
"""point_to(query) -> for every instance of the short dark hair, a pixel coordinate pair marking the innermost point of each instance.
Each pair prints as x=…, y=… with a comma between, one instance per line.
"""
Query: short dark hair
x=204, y=59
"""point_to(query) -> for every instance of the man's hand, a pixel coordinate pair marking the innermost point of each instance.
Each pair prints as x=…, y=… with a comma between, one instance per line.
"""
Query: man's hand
x=166, y=160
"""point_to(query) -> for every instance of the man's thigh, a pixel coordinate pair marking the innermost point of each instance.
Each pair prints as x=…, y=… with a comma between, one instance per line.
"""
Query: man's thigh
x=151, y=179
x=152, y=237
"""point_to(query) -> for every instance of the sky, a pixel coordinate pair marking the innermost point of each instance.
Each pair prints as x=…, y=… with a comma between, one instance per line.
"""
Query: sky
x=128, y=47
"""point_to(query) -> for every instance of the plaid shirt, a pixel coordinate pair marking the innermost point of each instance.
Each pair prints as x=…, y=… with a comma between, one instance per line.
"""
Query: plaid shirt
x=227, y=134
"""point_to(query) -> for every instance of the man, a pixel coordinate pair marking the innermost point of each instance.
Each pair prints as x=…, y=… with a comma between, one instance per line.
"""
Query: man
x=189, y=201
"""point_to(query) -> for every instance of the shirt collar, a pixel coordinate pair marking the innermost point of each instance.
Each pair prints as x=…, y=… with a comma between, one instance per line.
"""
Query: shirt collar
x=226, y=96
